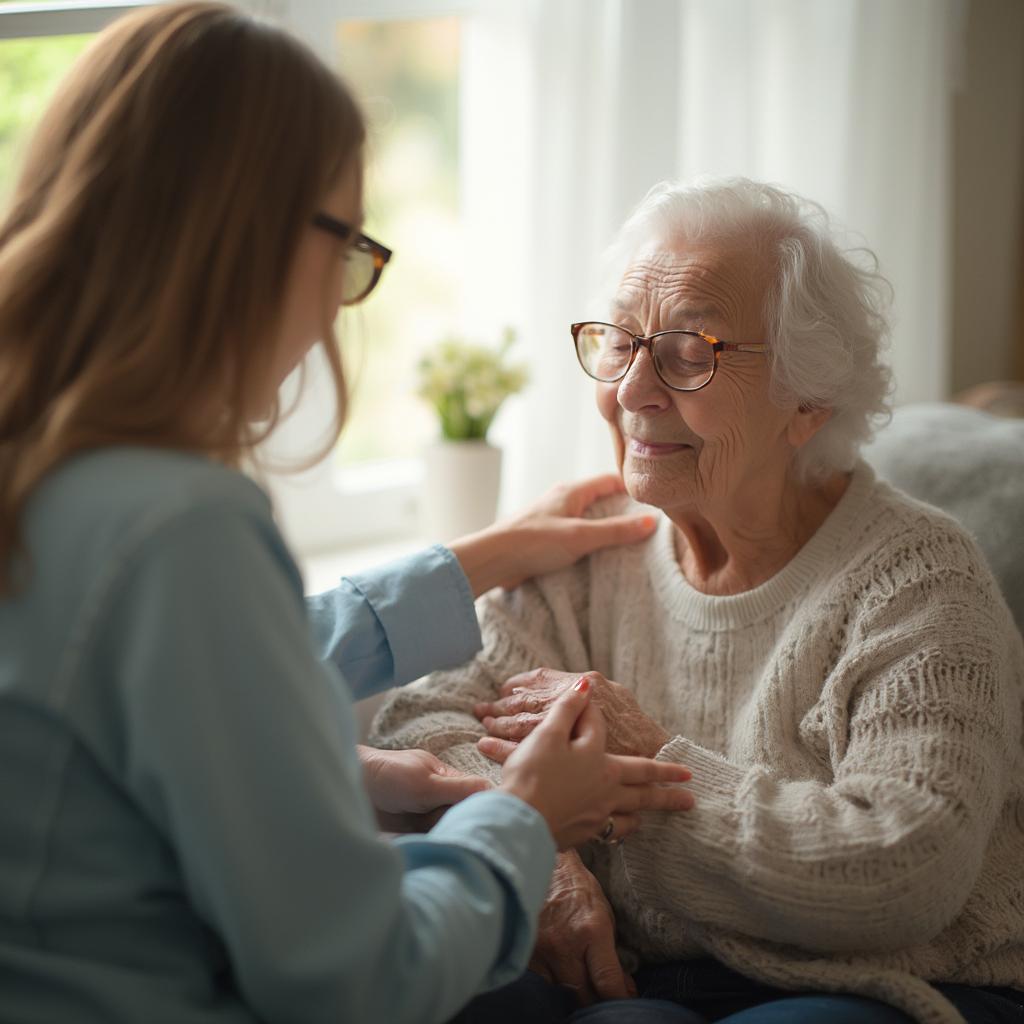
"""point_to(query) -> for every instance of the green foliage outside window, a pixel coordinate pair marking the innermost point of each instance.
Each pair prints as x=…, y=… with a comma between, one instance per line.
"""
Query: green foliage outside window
x=29, y=71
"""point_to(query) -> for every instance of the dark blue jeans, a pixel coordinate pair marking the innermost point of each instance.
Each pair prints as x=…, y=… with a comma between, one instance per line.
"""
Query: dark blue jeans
x=702, y=991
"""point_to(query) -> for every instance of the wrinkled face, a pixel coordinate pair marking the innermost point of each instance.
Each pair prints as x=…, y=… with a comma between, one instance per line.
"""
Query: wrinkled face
x=704, y=448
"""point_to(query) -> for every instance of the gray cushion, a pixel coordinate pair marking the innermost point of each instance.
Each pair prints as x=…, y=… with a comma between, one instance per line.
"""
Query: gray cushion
x=971, y=465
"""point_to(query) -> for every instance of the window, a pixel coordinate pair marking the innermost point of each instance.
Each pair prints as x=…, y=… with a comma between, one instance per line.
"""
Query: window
x=29, y=71
x=406, y=73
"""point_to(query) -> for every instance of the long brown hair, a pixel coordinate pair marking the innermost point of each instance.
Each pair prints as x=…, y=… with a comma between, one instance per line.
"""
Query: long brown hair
x=145, y=254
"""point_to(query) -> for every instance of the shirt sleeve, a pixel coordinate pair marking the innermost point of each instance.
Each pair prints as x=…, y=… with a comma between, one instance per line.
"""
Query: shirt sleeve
x=538, y=623
x=398, y=622
x=240, y=749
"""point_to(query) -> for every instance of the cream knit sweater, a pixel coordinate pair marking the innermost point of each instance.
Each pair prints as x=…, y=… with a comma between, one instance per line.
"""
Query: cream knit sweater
x=854, y=730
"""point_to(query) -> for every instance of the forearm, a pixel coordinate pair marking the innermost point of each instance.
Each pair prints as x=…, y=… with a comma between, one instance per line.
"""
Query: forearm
x=487, y=558
x=867, y=862
x=388, y=626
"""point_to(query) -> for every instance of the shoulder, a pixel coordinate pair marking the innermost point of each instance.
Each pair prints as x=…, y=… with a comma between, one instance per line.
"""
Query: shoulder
x=916, y=535
x=971, y=465
x=109, y=510
x=125, y=483
x=567, y=594
x=906, y=559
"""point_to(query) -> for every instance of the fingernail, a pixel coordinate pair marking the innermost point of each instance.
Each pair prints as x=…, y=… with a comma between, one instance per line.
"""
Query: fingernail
x=487, y=722
x=649, y=522
x=582, y=684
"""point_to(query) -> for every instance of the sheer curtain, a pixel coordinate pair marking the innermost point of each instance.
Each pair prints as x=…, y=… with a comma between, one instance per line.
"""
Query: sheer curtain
x=573, y=108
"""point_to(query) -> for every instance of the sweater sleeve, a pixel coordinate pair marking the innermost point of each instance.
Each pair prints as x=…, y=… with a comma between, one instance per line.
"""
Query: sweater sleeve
x=920, y=726
x=538, y=624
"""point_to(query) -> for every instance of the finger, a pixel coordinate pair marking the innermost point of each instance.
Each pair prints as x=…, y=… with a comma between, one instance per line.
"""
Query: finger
x=653, y=798
x=580, y=987
x=634, y=770
x=590, y=729
x=535, y=677
x=562, y=719
x=495, y=749
x=524, y=700
x=602, y=533
x=452, y=789
x=512, y=727
x=607, y=978
x=570, y=969
x=625, y=823
x=586, y=492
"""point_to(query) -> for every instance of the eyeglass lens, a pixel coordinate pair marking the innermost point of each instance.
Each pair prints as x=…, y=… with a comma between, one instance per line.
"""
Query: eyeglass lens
x=682, y=360
x=360, y=273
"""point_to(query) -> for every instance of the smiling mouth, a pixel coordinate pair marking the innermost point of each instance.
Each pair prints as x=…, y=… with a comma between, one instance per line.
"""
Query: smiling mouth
x=652, y=449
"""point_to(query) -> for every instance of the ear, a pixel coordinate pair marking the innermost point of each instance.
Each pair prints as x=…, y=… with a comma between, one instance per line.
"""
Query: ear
x=805, y=423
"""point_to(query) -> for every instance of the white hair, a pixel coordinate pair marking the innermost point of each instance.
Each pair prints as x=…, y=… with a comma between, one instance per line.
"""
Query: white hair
x=825, y=311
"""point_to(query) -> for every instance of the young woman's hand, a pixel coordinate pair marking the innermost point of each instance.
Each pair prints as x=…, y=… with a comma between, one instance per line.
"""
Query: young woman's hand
x=526, y=698
x=549, y=535
x=562, y=770
x=411, y=789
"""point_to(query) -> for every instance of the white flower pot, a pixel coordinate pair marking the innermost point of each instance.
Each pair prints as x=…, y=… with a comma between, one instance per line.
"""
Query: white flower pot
x=460, y=491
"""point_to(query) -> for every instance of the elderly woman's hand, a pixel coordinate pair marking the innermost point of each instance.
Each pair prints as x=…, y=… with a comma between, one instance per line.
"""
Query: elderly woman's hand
x=527, y=697
x=576, y=937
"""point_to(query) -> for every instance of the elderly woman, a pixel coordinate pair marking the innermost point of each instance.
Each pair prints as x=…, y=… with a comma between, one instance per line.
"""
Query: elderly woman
x=832, y=659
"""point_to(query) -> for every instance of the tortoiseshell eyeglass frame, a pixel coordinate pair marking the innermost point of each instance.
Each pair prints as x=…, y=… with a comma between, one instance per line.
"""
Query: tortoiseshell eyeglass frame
x=640, y=341
x=379, y=254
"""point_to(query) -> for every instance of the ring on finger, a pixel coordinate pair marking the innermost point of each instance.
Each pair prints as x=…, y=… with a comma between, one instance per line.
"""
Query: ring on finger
x=607, y=834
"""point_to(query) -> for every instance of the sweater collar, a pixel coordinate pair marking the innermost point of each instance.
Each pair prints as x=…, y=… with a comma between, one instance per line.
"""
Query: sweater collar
x=818, y=556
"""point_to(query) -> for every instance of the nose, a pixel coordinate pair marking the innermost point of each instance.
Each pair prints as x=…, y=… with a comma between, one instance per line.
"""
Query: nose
x=641, y=389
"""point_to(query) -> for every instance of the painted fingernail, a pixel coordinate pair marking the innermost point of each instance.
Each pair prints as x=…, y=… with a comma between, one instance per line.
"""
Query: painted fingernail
x=582, y=684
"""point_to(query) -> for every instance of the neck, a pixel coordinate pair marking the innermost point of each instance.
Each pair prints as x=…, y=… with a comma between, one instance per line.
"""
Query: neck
x=735, y=544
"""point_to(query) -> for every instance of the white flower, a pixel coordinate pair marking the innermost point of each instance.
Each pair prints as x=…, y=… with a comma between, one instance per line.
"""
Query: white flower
x=467, y=384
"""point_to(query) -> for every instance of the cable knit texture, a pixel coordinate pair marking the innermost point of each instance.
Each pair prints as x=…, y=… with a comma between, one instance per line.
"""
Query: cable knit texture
x=854, y=730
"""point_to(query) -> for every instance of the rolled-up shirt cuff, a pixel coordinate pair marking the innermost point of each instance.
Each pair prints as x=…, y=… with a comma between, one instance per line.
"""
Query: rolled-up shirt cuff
x=425, y=606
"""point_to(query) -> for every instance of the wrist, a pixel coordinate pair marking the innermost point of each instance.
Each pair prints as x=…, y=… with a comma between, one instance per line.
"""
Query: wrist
x=483, y=557
x=568, y=862
x=658, y=740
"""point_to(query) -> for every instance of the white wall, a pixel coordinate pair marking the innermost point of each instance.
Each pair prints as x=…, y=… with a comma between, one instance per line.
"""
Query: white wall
x=988, y=197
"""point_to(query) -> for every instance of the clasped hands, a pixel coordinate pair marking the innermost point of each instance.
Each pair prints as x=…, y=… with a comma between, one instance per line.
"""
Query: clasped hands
x=576, y=932
x=412, y=788
x=526, y=698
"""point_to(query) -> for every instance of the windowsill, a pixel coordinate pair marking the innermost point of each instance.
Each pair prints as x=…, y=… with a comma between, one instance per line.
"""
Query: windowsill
x=322, y=570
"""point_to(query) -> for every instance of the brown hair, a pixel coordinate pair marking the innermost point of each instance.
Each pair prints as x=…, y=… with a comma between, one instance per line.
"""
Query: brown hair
x=146, y=251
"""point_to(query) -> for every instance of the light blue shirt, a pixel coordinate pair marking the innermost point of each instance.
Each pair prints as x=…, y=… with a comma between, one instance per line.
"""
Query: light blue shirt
x=184, y=836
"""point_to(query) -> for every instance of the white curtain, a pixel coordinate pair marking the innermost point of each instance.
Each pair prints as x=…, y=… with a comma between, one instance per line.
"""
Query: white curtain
x=573, y=108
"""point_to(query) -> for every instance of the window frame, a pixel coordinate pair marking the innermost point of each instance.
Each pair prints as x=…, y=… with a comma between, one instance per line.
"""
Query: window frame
x=319, y=509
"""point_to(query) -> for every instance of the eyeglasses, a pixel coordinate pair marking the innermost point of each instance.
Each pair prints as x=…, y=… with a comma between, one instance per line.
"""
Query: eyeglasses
x=364, y=258
x=683, y=360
